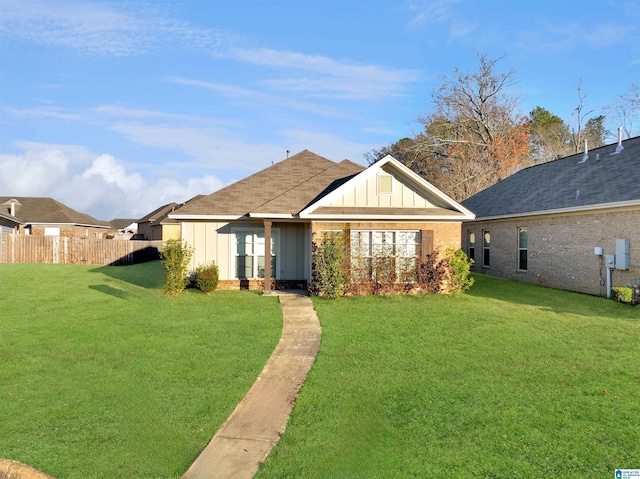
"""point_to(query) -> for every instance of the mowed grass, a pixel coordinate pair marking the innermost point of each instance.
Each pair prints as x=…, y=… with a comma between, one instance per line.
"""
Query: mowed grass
x=102, y=375
x=506, y=381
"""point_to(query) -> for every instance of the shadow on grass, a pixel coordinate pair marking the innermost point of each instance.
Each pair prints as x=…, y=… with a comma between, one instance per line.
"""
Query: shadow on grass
x=556, y=300
x=110, y=290
x=147, y=275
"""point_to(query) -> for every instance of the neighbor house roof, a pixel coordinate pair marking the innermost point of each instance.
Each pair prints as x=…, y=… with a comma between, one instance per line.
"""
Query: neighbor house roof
x=284, y=188
x=31, y=210
x=9, y=218
x=122, y=223
x=608, y=177
x=158, y=213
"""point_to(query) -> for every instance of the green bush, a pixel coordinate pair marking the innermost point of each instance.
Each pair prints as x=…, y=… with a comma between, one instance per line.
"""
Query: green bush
x=206, y=277
x=622, y=294
x=460, y=276
x=329, y=277
x=176, y=256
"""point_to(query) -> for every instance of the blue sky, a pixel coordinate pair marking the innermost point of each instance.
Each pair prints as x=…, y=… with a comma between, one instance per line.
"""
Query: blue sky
x=118, y=107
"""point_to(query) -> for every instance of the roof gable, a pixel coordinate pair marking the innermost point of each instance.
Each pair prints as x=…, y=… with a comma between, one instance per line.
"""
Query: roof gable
x=158, y=213
x=606, y=178
x=386, y=189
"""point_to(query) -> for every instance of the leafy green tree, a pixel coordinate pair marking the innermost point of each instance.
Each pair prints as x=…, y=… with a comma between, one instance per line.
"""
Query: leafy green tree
x=550, y=137
x=595, y=132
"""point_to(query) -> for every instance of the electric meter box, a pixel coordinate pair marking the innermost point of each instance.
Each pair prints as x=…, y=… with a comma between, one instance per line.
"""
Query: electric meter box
x=622, y=254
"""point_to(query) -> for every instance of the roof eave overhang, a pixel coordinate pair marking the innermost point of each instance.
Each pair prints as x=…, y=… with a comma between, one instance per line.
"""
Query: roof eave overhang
x=422, y=218
x=283, y=216
x=576, y=209
x=208, y=217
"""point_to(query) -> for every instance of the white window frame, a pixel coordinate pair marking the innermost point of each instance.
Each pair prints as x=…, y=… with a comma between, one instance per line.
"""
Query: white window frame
x=471, y=245
x=520, y=248
x=275, y=252
x=486, y=248
x=52, y=231
x=367, y=249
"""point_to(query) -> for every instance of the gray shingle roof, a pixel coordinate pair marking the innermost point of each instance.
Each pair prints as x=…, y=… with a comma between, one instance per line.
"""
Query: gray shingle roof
x=48, y=211
x=284, y=188
x=565, y=183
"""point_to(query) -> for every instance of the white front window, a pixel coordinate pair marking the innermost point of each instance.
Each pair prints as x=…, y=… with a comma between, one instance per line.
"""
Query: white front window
x=249, y=254
x=51, y=231
x=384, y=255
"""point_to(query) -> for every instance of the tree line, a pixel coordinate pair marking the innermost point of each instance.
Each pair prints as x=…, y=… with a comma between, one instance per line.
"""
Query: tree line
x=475, y=135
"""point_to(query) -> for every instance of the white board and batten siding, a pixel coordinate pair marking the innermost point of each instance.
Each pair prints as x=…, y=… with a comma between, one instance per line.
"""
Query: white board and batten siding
x=215, y=242
x=387, y=189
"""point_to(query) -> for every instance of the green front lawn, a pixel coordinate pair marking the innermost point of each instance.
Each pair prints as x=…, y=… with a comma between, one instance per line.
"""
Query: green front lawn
x=506, y=381
x=104, y=376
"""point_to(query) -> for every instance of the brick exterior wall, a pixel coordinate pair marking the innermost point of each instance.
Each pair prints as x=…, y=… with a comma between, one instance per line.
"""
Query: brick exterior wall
x=560, y=248
x=71, y=231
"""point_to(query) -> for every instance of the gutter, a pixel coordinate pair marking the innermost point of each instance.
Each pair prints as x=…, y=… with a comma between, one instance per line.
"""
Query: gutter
x=574, y=209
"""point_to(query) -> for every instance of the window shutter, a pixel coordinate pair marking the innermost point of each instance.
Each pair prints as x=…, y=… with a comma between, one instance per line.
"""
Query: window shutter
x=427, y=242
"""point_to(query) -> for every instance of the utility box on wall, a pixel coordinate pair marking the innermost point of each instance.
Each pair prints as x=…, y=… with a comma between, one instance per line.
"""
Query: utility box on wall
x=622, y=254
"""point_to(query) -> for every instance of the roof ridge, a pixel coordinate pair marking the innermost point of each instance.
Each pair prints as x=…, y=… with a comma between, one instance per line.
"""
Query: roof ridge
x=300, y=184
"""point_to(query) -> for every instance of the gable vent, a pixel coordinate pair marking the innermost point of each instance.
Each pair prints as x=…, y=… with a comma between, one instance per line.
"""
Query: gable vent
x=385, y=184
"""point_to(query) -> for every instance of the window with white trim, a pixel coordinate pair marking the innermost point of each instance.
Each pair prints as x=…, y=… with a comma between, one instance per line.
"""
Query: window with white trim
x=486, y=248
x=384, y=255
x=523, y=249
x=471, y=245
x=249, y=253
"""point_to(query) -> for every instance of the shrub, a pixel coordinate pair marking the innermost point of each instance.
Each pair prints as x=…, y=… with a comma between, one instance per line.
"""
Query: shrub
x=176, y=256
x=460, y=276
x=622, y=294
x=206, y=277
x=329, y=277
x=431, y=274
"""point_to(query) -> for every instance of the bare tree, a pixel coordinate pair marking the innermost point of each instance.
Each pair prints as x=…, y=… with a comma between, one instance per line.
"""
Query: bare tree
x=625, y=112
x=473, y=138
x=580, y=114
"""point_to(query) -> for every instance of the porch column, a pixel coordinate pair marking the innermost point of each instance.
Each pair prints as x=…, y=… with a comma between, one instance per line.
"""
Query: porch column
x=267, y=257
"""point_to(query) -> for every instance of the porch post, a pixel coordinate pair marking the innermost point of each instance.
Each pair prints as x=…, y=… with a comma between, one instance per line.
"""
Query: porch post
x=267, y=257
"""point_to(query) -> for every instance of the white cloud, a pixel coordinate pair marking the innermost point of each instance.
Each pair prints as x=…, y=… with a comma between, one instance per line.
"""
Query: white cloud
x=99, y=28
x=99, y=185
x=43, y=112
x=256, y=100
x=431, y=11
x=324, y=77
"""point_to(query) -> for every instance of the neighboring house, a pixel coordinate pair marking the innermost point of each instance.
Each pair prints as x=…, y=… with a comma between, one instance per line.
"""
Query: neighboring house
x=151, y=227
x=125, y=227
x=48, y=217
x=158, y=226
x=546, y=224
x=284, y=205
x=9, y=224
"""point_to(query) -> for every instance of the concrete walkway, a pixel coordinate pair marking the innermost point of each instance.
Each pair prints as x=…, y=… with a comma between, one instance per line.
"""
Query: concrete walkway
x=245, y=440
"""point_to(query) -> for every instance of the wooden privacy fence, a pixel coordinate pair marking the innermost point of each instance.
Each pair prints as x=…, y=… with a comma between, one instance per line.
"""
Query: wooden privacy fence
x=63, y=250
